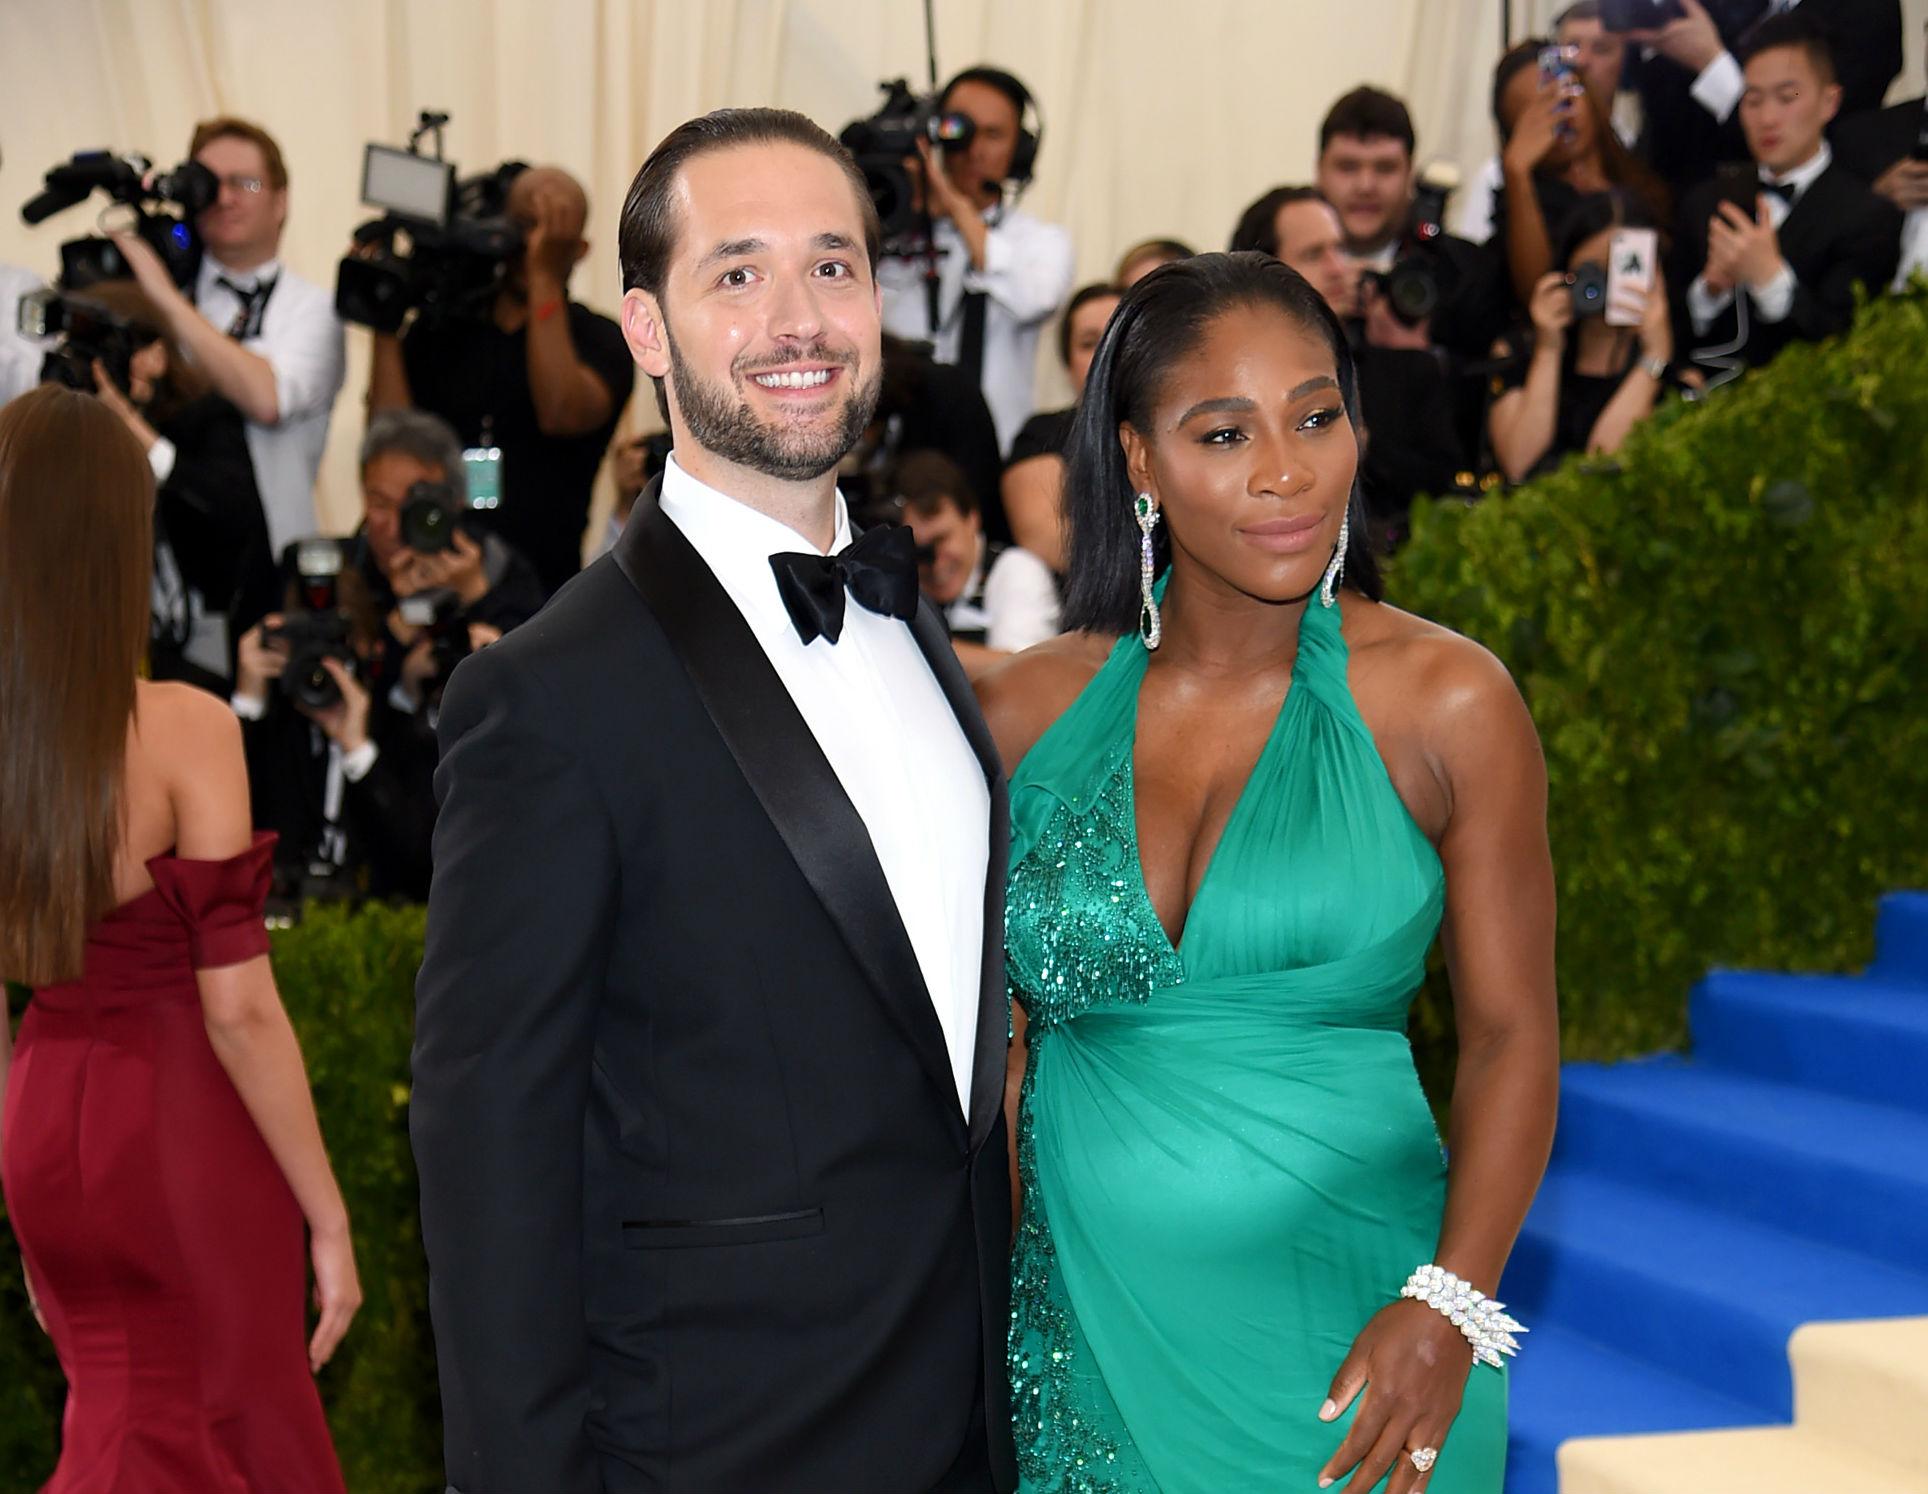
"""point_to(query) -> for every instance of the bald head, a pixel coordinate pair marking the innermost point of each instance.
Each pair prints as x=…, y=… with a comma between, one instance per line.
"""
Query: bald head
x=551, y=209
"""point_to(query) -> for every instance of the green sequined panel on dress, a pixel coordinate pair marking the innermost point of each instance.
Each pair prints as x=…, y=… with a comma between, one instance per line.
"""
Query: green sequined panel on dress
x=1228, y=1165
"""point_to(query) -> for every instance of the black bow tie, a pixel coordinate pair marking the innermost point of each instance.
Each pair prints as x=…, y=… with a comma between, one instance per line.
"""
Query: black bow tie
x=879, y=570
x=1786, y=191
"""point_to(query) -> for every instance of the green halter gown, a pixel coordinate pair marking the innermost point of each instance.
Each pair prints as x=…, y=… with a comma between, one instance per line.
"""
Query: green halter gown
x=1228, y=1164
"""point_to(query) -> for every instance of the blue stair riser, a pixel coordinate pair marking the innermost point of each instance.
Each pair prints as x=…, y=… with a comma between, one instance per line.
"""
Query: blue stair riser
x=1901, y=938
x=1830, y=1199
x=1743, y=1022
x=1720, y=1343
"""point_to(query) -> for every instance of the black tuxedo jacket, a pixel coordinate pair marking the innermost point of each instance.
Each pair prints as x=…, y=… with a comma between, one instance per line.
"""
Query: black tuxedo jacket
x=1869, y=144
x=701, y=1207
x=1684, y=143
x=1837, y=235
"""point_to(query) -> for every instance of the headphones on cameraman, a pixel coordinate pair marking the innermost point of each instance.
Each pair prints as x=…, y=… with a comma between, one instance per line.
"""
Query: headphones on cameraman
x=1024, y=156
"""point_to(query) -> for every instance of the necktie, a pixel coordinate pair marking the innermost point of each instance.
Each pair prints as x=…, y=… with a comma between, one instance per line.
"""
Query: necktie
x=1786, y=191
x=879, y=570
x=246, y=321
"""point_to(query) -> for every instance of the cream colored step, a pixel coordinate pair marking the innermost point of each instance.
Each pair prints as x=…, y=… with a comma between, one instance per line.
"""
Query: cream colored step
x=1865, y=1385
x=1771, y=1460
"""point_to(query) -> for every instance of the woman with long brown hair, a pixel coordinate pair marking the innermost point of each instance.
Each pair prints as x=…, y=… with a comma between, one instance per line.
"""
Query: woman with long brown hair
x=158, y=1146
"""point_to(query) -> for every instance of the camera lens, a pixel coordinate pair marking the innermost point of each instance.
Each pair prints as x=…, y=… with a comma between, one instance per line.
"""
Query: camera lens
x=427, y=526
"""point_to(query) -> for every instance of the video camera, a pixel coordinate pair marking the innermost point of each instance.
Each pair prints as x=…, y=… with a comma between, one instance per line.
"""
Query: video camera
x=129, y=181
x=882, y=144
x=87, y=331
x=1421, y=277
x=318, y=629
x=443, y=244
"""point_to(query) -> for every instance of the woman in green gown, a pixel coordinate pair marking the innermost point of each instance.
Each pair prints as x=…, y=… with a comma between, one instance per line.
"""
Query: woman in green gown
x=1237, y=830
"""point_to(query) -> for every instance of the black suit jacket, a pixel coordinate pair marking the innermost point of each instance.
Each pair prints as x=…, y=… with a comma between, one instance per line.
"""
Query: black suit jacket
x=1839, y=234
x=701, y=1207
x=1684, y=143
x=1869, y=144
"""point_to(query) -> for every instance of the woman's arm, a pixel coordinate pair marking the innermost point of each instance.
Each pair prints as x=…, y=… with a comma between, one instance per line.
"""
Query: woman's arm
x=246, y=1023
x=1410, y=1361
x=1033, y=491
x=1639, y=391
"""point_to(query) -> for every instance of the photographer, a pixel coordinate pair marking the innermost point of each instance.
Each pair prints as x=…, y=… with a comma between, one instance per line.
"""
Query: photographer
x=997, y=599
x=268, y=341
x=341, y=751
x=1690, y=83
x=1784, y=267
x=1410, y=393
x=213, y=572
x=1001, y=273
x=1586, y=384
x=1600, y=58
x=542, y=378
x=1556, y=150
x=1888, y=149
x=1367, y=172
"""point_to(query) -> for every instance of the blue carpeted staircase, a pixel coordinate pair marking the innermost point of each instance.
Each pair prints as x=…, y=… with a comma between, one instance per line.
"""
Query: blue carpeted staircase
x=1699, y=1209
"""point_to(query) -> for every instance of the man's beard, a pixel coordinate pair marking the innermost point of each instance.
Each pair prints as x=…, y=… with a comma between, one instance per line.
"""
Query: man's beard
x=726, y=426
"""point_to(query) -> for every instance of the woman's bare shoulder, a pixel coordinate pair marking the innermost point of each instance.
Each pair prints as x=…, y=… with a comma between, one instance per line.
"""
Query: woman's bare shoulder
x=1026, y=693
x=191, y=741
x=1452, y=679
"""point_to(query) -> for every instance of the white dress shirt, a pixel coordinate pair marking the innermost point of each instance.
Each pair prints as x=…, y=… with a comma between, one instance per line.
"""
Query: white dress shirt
x=19, y=357
x=1914, y=247
x=301, y=337
x=1014, y=605
x=882, y=720
x=1718, y=87
x=1773, y=301
x=1027, y=274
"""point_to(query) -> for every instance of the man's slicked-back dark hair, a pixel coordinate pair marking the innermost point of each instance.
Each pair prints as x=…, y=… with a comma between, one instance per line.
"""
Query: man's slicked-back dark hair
x=646, y=237
x=1789, y=28
x=1258, y=225
x=1159, y=324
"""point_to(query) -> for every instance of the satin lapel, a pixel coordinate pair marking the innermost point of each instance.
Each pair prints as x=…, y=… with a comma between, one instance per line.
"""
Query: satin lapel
x=993, y=1004
x=1804, y=232
x=786, y=770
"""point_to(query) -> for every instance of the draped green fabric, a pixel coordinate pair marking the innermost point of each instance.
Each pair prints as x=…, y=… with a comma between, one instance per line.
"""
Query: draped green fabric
x=1228, y=1163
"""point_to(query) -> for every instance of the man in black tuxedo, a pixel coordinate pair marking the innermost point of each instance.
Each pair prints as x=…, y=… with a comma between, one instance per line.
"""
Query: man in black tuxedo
x=1689, y=78
x=1888, y=149
x=1787, y=271
x=711, y=1028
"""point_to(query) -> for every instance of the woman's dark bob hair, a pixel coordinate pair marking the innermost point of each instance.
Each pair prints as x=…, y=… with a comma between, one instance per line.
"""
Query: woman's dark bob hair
x=1159, y=323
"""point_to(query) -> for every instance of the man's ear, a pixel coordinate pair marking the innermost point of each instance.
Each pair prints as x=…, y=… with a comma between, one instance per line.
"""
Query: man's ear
x=582, y=248
x=1831, y=102
x=645, y=332
x=1137, y=457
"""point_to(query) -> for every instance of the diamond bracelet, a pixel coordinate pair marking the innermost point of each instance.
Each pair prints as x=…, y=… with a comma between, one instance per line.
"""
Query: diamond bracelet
x=1485, y=1324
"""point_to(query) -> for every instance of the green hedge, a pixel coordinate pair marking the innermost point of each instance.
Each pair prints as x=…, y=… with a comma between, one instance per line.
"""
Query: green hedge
x=1721, y=633
x=347, y=979
x=1723, y=636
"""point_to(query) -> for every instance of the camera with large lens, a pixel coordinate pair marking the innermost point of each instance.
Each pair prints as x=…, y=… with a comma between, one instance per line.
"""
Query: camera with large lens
x=317, y=630
x=1421, y=277
x=443, y=245
x=86, y=331
x=431, y=514
x=444, y=621
x=884, y=142
x=163, y=206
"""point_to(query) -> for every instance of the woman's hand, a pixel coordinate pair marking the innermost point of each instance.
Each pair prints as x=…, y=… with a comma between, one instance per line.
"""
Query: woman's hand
x=1411, y=1363
x=1552, y=310
x=1537, y=130
x=337, y=1290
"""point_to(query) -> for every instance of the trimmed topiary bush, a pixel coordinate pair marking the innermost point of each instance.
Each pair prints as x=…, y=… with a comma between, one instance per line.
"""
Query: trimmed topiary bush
x=1722, y=633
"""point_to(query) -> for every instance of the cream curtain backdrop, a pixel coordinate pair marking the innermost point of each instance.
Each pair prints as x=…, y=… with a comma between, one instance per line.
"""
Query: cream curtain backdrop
x=1161, y=118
